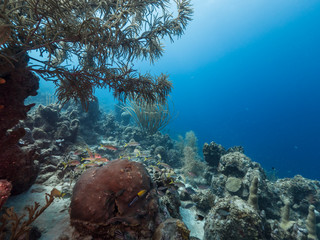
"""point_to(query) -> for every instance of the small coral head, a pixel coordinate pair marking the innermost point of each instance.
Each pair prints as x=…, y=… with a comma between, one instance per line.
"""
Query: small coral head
x=5, y=190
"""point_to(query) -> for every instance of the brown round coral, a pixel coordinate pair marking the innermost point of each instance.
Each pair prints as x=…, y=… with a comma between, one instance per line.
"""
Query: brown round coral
x=106, y=199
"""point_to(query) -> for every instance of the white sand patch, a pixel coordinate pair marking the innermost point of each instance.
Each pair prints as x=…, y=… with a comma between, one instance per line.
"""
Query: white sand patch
x=54, y=220
x=189, y=217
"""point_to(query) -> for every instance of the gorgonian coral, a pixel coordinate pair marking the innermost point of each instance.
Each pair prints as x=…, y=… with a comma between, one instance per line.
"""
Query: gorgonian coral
x=101, y=37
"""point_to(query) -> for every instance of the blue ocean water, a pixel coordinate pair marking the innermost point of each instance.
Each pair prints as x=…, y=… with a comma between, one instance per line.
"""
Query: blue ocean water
x=248, y=73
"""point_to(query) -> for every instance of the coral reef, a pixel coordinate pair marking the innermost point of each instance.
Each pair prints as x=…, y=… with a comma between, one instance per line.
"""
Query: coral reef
x=232, y=200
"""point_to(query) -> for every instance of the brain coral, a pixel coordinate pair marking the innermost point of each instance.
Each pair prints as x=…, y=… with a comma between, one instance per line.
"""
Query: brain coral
x=103, y=201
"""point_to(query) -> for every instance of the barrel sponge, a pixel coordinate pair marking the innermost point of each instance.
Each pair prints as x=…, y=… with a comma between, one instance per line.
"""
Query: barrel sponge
x=104, y=197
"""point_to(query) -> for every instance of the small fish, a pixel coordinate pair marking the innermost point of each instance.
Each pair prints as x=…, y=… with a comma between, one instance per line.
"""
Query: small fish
x=124, y=157
x=96, y=155
x=142, y=192
x=223, y=212
x=162, y=188
x=139, y=195
x=133, y=200
x=145, y=155
x=192, y=174
x=71, y=163
x=163, y=164
x=109, y=147
x=1, y=107
x=132, y=144
x=190, y=190
x=147, y=158
x=2, y=81
x=56, y=193
x=102, y=160
x=88, y=159
x=78, y=169
x=179, y=184
x=89, y=152
x=138, y=153
x=203, y=186
x=90, y=164
x=172, y=190
x=189, y=205
x=77, y=152
x=156, y=168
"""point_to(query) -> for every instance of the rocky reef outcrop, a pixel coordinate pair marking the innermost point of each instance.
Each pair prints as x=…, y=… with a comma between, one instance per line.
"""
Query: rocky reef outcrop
x=171, y=229
x=250, y=206
x=233, y=218
x=17, y=83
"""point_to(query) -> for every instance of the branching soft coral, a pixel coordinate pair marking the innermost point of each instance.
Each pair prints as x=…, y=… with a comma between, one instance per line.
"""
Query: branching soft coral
x=103, y=37
x=150, y=117
x=19, y=225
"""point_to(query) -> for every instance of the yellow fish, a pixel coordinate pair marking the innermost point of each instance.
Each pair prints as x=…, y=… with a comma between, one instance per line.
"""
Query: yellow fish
x=142, y=192
x=56, y=193
x=139, y=195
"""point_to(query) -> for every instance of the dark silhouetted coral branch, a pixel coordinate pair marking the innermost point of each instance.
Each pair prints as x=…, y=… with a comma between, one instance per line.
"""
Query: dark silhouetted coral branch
x=97, y=35
x=20, y=227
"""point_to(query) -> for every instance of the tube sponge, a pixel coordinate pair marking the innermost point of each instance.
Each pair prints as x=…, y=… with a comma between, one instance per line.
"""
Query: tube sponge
x=311, y=224
x=285, y=224
x=253, y=197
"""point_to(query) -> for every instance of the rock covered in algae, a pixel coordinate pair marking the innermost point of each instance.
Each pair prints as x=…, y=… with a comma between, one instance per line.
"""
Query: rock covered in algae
x=235, y=164
x=233, y=218
x=212, y=153
x=106, y=200
x=171, y=229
